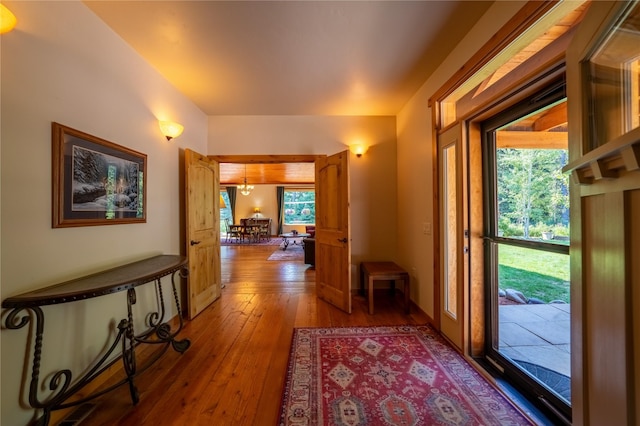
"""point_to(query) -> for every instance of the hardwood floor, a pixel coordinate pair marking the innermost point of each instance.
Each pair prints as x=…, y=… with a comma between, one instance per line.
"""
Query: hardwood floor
x=234, y=371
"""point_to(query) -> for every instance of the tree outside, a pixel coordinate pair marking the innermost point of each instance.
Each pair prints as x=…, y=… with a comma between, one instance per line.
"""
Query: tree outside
x=533, y=193
x=299, y=207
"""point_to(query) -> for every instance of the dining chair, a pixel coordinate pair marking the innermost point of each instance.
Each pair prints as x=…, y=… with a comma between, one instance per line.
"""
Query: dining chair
x=233, y=231
x=265, y=229
x=250, y=230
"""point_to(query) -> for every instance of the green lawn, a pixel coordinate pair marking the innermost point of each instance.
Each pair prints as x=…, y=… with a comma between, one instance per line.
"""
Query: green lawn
x=535, y=273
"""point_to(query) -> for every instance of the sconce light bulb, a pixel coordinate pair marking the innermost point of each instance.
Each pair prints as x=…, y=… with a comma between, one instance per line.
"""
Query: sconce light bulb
x=358, y=149
x=170, y=129
x=7, y=19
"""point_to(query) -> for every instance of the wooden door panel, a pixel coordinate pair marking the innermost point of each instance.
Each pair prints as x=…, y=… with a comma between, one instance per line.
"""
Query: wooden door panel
x=605, y=298
x=452, y=279
x=333, y=248
x=201, y=269
x=203, y=231
x=201, y=213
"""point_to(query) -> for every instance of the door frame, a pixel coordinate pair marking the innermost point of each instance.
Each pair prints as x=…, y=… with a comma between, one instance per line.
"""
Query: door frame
x=270, y=159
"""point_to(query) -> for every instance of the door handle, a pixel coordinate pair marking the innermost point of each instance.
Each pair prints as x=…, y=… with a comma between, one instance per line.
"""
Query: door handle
x=343, y=240
x=194, y=243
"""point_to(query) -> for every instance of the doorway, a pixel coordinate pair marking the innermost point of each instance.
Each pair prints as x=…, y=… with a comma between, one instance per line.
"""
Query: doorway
x=260, y=200
x=526, y=233
x=264, y=174
x=332, y=227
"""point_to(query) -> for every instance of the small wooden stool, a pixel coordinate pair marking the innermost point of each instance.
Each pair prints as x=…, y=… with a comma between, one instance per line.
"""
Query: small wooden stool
x=371, y=271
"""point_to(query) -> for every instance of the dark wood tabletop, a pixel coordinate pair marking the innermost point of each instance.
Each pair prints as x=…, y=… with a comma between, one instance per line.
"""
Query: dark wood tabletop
x=105, y=282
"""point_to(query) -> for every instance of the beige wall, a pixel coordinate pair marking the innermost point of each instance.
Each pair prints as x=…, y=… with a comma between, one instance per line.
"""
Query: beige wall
x=415, y=167
x=372, y=176
x=63, y=64
x=263, y=196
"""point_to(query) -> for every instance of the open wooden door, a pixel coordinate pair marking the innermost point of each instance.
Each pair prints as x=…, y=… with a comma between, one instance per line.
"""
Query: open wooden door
x=202, y=181
x=333, y=238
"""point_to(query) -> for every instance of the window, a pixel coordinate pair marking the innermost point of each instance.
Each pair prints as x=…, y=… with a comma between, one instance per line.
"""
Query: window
x=613, y=73
x=225, y=211
x=299, y=206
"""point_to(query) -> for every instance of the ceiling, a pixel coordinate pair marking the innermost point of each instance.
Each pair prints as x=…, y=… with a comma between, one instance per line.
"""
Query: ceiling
x=293, y=57
x=302, y=57
x=268, y=173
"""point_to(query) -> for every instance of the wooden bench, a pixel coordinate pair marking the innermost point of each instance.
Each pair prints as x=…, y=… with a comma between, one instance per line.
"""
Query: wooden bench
x=372, y=271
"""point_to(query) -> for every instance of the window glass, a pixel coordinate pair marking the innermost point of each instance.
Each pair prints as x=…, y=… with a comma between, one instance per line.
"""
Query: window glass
x=225, y=212
x=450, y=226
x=527, y=260
x=299, y=206
x=533, y=194
x=614, y=79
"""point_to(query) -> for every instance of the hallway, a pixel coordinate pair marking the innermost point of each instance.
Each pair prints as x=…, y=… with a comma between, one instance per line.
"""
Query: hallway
x=234, y=371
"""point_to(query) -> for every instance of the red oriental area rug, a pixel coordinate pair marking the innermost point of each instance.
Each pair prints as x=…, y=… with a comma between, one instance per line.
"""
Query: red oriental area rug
x=399, y=375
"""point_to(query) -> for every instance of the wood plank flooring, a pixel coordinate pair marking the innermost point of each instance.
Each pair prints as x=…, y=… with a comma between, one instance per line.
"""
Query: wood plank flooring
x=234, y=371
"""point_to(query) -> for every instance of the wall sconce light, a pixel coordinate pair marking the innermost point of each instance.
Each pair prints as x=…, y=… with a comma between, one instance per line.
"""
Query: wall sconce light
x=170, y=129
x=358, y=149
x=7, y=19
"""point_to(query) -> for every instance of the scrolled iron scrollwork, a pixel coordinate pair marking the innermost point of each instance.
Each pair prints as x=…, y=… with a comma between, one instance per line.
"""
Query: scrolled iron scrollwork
x=25, y=309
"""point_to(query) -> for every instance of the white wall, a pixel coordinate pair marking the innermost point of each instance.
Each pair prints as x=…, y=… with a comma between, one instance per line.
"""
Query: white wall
x=415, y=165
x=63, y=64
x=372, y=176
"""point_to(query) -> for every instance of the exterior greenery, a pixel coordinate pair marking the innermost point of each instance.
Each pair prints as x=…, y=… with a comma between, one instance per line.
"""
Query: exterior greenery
x=535, y=273
x=299, y=207
x=533, y=193
x=225, y=213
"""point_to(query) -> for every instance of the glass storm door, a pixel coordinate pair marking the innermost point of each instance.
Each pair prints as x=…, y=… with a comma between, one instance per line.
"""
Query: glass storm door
x=527, y=246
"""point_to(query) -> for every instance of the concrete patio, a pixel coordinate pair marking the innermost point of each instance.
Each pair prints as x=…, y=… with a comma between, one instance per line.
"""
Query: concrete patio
x=537, y=334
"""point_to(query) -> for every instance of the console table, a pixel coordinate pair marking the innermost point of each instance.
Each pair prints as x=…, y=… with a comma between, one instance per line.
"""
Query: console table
x=27, y=306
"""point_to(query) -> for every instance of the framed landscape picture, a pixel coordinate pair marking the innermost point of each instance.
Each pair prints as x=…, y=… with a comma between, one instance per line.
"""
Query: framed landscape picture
x=95, y=182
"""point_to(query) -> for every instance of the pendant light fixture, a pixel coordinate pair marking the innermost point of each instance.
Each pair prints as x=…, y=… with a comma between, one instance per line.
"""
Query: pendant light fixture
x=244, y=188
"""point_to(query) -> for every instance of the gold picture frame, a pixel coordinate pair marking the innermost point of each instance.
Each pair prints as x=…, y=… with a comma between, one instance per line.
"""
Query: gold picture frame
x=94, y=181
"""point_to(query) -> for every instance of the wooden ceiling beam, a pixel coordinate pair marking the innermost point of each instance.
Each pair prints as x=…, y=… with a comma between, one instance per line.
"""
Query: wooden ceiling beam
x=281, y=173
x=531, y=140
x=264, y=159
x=554, y=117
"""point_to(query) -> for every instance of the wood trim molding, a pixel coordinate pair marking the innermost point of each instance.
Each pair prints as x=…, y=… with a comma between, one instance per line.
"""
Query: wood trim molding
x=518, y=24
x=608, y=161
